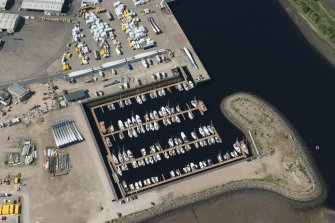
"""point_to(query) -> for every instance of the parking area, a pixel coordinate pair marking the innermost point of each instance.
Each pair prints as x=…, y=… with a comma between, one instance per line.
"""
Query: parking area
x=38, y=46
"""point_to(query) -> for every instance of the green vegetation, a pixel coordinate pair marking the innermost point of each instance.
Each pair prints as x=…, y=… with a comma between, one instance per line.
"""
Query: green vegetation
x=317, y=14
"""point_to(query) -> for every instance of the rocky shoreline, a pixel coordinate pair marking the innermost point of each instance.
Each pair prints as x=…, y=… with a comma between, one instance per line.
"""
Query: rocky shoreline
x=319, y=192
x=299, y=200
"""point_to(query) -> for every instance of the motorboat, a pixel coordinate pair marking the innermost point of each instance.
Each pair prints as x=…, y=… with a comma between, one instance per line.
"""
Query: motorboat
x=130, y=154
x=146, y=117
x=178, y=108
x=210, y=162
x=147, y=127
x=120, y=157
x=143, y=97
x=108, y=142
x=135, y=133
x=133, y=120
x=201, y=131
x=130, y=133
x=144, y=153
x=194, y=103
x=177, y=119
x=124, y=184
x=190, y=115
x=194, y=135
x=184, y=137
x=121, y=104
x=131, y=186
x=120, y=124
x=219, y=157
x=119, y=171
x=142, y=129
x=134, y=164
x=130, y=123
x=139, y=100
x=170, y=142
x=196, y=144
x=166, y=155
x=116, y=161
x=151, y=116
x=102, y=127
x=152, y=128
x=210, y=129
x=168, y=120
x=206, y=131
x=244, y=147
x=121, y=136
x=237, y=147
x=190, y=84
x=125, y=156
x=185, y=85
x=111, y=128
x=156, y=126
x=138, y=119
x=155, y=114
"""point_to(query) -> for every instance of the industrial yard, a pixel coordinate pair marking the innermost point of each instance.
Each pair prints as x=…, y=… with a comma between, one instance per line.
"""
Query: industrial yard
x=43, y=59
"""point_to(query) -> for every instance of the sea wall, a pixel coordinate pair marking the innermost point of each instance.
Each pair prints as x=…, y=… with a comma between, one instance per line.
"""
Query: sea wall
x=310, y=199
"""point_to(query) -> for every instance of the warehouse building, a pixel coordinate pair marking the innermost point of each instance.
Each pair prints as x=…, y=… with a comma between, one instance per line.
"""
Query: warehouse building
x=9, y=22
x=75, y=96
x=20, y=92
x=53, y=7
x=3, y=4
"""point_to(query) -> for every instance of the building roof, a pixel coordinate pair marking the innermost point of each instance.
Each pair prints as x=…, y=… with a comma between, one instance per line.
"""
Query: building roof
x=8, y=21
x=4, y=95
x=3, y=4
x=44, y=5
x=18, y=90
x=75, y=96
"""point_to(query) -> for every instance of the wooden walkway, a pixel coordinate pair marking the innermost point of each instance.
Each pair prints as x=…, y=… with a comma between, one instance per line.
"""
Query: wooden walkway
x=167, y=87
x=156, y=120
x=169, y=149
x=243, y=156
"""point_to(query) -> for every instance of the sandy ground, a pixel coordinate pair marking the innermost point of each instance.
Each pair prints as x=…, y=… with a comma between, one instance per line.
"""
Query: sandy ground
x=83, y=195
x=251, y=207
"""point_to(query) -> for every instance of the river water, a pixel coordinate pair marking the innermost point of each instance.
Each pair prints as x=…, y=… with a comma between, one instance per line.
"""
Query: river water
x=254, y=46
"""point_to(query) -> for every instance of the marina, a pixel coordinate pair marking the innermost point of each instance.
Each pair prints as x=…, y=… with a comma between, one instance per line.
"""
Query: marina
x=149, y=142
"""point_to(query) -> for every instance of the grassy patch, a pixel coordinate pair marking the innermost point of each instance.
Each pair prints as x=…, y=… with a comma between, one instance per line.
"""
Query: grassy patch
x=318, y=16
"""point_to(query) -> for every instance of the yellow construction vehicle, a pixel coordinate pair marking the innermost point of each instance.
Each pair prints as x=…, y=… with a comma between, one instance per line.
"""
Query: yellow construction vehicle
x=16, y=180
x=66, y=67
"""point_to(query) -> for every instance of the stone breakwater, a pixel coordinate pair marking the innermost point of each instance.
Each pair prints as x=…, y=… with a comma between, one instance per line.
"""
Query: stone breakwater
x=308, y=199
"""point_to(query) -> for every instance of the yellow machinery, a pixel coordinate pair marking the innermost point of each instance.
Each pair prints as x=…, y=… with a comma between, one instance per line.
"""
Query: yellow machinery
x=17, y=209
x=102, y=52
x=16, y=180
x=7, y=209
x=68, y=55
x=66, y=67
